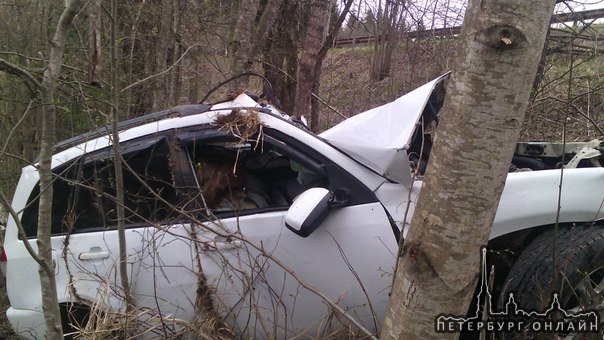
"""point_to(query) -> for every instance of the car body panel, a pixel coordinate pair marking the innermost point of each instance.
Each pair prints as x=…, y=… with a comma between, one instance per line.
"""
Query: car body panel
x=380, y=137
x=28, y=323
x=256, y=280
x=530, y=199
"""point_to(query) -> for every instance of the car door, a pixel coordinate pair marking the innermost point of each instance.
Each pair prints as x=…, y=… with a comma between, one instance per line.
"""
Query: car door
x=160, y=272
x=268, y=281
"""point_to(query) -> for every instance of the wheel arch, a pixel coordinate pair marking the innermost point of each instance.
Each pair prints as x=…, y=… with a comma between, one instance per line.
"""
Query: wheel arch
x=542, y=198
x=74, y=316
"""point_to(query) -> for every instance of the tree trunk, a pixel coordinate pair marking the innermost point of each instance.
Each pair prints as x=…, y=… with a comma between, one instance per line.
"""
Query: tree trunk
x=50, y=303
x=500, y=47
x=175, y=52
x=269, y=15
x=387, y=33
x=319, y=14
x=241, y=42
x=280, y=55
x=94, y=17
x=165, y=40
x=119, y=177
x=248, y=38
x=327, y=44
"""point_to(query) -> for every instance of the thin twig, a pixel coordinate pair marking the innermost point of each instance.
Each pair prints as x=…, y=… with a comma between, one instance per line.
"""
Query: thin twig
x=160, y=73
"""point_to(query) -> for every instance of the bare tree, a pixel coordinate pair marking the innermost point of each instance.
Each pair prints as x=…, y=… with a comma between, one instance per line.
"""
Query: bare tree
x=94, y=17
x=119, y=177
x=50, y=304
x=500, y=47
x=334, y=27
x=387, y=31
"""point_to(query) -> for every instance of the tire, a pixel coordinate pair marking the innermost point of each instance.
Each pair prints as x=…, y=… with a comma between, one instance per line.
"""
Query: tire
x=579, y=279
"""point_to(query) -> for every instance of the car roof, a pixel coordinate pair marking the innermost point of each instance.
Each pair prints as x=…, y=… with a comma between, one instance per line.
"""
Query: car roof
x=173, y=118
x=178, y=111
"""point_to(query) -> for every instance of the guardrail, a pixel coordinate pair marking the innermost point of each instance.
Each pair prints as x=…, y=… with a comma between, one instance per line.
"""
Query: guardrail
x=453, y=31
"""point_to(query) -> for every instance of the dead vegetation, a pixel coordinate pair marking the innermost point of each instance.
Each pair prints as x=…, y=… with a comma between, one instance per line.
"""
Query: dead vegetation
x=243, y=124
x=569, y=98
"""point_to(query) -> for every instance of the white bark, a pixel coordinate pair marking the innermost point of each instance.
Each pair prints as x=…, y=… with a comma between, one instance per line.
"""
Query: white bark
x=500, y=46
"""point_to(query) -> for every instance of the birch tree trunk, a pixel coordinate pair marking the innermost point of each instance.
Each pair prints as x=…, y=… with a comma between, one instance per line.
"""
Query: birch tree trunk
x=496, y=62
x=50, y=304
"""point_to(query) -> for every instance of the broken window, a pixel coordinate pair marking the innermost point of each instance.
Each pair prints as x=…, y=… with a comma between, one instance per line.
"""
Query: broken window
x=204, y=173
x=234, y=177
x=85, y=190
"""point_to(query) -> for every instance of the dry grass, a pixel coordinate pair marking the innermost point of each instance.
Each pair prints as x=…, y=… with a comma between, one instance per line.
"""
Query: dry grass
x=347, y=87
x=243, y=124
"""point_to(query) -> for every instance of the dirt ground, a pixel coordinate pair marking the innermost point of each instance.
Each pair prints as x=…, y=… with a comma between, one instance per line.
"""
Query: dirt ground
x=5, y=331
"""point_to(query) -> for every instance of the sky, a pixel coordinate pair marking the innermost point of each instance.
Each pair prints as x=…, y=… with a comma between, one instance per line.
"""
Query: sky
x=582, y=5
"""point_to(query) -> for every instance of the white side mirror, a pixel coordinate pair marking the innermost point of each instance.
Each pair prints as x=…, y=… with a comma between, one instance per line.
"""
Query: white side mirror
x=308, y=211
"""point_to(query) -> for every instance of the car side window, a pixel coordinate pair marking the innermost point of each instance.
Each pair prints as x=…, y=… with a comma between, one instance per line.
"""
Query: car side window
x=85, y=190
x=235, y=177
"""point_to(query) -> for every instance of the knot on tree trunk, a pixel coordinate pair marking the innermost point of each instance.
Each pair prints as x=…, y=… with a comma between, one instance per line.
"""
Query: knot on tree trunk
x=501, y=37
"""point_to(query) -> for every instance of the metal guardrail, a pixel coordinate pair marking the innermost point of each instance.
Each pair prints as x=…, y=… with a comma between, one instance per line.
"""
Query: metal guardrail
x=453, y=31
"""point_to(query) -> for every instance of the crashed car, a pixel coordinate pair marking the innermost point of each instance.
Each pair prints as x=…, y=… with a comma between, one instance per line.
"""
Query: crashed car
x=236, y=211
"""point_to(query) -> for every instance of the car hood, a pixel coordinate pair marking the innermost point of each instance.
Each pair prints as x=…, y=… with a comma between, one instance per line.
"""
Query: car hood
x=379, y=138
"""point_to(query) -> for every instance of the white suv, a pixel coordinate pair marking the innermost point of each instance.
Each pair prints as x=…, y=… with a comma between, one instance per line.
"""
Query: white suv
x=237, y=200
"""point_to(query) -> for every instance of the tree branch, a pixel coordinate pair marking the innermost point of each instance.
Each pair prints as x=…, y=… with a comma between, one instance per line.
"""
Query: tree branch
x=18, y=71
x=160, y=73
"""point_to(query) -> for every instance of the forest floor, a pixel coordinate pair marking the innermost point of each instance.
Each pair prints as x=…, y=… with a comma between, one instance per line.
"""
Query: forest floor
x=5, y=330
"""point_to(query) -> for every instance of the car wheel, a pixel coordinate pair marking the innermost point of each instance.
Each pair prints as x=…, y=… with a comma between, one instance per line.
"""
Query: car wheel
x=577, y=252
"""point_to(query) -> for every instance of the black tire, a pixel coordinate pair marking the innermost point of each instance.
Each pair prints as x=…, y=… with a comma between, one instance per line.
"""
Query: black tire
x=579, y=279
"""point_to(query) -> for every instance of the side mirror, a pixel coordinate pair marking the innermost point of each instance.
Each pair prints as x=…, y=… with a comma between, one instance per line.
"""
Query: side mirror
x=308, y=211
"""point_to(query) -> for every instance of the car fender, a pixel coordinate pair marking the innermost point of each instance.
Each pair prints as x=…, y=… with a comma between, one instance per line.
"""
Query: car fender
x=537, y=198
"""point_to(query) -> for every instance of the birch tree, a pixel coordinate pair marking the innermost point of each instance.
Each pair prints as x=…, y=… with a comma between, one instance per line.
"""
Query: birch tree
x=498, y=53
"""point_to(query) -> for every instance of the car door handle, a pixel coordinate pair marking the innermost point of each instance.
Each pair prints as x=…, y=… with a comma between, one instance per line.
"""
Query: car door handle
x=98, y=255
